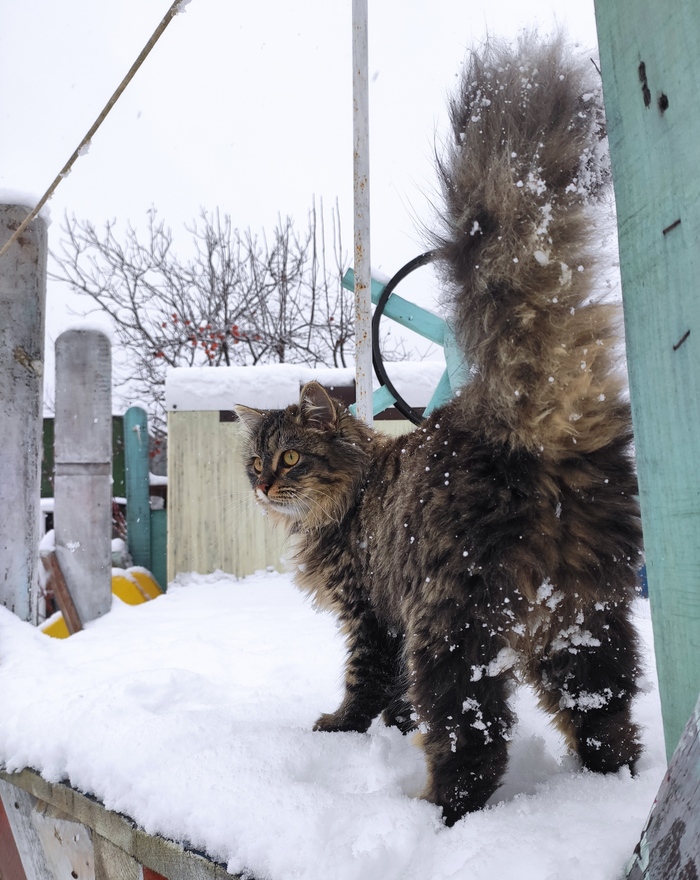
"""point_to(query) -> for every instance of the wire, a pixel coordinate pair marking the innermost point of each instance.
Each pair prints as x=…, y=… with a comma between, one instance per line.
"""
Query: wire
x=377, y=360
x=169, y=15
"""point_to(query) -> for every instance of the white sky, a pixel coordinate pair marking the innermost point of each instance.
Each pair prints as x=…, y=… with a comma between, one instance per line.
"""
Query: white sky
x=242, y=106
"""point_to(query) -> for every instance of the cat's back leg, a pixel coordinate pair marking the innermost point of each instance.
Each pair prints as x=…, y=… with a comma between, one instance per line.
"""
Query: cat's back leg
x=586, y=677
x=460, y=697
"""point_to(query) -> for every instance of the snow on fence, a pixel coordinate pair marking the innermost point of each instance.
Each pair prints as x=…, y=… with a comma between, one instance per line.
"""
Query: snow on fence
x=213, y=522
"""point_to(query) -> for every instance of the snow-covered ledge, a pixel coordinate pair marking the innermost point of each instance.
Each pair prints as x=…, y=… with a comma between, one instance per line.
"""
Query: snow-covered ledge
x=56, y=842
x=274, y=386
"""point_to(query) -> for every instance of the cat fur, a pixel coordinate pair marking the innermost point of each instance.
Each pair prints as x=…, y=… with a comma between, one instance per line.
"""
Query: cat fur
x=499, y=542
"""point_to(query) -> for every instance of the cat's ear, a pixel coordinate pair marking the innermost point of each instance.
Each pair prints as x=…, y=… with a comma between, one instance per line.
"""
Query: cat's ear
x=316, y=407
x=249, y=418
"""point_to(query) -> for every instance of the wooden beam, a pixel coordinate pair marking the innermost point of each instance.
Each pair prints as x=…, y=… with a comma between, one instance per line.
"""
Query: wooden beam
x=57, y=584
x=138, y=511
x=651, y=80
x=19, y=808
x=10, y=861
x=164, y=857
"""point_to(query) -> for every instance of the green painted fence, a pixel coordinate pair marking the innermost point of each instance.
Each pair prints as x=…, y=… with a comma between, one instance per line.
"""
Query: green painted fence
x=651, y=81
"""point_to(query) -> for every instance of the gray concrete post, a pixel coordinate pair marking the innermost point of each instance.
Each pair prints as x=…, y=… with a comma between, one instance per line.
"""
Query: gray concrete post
x=83, y=469
x=22, y=307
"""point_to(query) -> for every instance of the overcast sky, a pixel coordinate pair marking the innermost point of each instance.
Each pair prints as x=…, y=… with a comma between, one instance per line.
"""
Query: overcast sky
x=244, y=106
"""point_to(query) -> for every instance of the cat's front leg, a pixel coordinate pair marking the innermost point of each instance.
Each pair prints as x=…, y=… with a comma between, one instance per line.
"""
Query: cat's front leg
x=370, y=676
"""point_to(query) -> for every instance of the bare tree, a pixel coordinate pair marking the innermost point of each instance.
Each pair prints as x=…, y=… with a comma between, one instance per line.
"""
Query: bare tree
x=239, y=299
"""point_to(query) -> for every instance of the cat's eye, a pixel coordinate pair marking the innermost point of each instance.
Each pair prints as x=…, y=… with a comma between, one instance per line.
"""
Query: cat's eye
x=290, y=457
x=258, y=465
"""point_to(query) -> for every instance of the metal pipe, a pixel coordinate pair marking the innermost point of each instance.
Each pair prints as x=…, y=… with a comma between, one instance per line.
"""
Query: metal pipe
x=362, y=261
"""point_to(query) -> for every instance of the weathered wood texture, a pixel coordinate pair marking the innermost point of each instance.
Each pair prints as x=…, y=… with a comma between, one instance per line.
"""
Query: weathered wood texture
x=22, y=306
x=156, y=854
x=19, y=806
x=10, y=862
x=58, y=586
x=138, y=510
x=651, y=81
x=669, y=848
x=213, y=520
x=83, y=469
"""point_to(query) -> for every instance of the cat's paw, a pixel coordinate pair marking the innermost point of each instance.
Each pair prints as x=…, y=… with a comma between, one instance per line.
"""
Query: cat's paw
x=334, y=722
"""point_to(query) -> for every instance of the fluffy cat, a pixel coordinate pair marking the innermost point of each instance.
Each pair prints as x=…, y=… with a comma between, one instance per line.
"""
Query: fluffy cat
x=500, y=540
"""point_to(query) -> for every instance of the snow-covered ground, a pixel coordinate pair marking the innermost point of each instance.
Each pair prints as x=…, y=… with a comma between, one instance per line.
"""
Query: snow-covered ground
x=193, y=713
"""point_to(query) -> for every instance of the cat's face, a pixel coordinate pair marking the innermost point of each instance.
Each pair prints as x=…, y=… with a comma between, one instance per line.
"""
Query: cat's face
x=304, y=463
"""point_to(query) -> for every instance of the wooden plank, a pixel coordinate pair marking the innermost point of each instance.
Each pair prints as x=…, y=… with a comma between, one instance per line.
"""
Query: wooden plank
x=213, y=521
x=10, y=861
x=138, y=511
x=19, y=807
x=112, y=863
x=57, y=584
x=83, y=469
x=22, y=307
x=165, y=857
x=405, y=313
x=159, y=547
x=669, y=848
x=67, y=843
x=651, y=81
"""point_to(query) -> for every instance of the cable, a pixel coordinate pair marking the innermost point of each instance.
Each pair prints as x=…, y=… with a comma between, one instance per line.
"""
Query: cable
x=176, y=7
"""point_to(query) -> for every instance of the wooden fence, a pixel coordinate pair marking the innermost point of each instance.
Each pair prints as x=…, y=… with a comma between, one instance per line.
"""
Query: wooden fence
x=213, y=520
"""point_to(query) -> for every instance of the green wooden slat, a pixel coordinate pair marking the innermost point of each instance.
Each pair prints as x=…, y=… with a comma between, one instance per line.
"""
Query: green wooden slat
x=442, y=393
x=382, y=399
x=138, y=509
x=404, y=312
x=651, y=80
x=159, y=547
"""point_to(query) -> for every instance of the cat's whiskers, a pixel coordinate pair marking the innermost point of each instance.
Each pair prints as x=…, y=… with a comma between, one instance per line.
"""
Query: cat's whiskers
x=308, y=500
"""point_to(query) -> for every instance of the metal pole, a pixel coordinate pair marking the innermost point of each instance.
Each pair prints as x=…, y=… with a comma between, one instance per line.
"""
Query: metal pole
x=363, y=273
x=22, y=304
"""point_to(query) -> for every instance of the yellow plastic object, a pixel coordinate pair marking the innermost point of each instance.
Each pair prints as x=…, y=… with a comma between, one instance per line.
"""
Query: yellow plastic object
x=132, y=585
x=55, y=626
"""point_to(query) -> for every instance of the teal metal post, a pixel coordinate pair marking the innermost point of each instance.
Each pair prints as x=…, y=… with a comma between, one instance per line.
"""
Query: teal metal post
x=138, y=509
x=651, y=81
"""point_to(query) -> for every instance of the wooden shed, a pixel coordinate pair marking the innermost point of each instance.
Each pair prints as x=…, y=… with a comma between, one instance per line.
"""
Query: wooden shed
x=214, y=523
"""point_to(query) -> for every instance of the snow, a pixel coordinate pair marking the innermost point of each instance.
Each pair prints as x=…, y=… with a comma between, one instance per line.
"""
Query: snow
x=192, y=714
x=275, y=386
x=24, y=199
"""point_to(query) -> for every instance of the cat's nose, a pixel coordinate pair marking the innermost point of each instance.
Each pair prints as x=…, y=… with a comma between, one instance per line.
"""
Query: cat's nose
x=264, y=488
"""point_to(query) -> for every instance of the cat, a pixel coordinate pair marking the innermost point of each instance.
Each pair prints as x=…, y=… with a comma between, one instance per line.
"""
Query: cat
x=499, y=541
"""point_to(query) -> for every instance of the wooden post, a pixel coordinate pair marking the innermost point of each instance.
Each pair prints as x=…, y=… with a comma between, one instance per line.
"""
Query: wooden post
x=138, y=509
x=83, y=469
x=651, y=81
x=22, y=305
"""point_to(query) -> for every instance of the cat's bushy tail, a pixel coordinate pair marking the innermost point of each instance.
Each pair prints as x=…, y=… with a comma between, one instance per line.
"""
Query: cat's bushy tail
x=527, y=161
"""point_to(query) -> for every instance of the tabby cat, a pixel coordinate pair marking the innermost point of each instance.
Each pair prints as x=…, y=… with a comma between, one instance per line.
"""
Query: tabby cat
x=499, y=541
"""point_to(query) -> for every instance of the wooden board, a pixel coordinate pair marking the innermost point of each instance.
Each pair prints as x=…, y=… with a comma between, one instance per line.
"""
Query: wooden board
x=213, y=520
x=669, y=848
x=160, y=858
x=10, y=861
x=651, y=80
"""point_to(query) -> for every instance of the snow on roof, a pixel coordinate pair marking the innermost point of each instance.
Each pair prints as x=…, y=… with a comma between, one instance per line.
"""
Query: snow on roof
x=274, y=386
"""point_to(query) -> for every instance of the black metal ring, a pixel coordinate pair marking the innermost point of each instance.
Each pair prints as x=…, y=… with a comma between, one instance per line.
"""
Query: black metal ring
x=377, y=361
